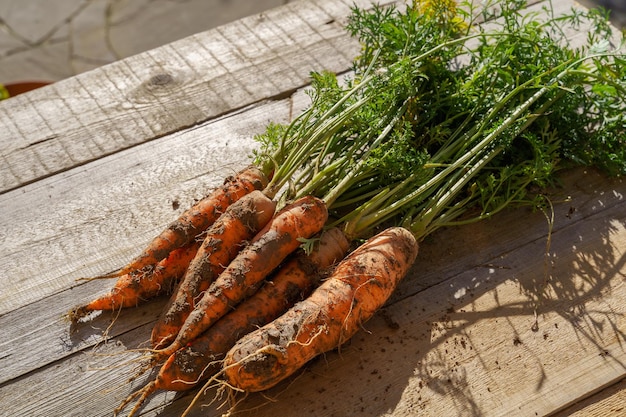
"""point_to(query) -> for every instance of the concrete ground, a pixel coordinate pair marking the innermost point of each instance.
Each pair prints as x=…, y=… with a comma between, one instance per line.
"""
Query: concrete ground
x=52, y=40
x=617, y=9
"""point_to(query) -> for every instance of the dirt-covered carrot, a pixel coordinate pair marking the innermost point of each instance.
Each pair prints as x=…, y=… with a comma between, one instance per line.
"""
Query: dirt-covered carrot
x=240, y=222
x=131, y=289
x=196, y=219
x=291, y=283
x=333, y=313
x=301, y=219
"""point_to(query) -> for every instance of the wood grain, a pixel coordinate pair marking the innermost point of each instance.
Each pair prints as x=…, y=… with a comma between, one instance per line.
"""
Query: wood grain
x=461, y=346
x=90, y=220
x=610, y=401
x=162, y=91
x=490, y=321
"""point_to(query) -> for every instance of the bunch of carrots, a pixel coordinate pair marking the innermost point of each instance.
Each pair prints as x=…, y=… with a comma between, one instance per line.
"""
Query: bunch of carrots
x=443, y=121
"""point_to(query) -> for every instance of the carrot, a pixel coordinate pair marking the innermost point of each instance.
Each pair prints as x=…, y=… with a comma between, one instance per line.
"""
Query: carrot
x=196, y=219
x=333, y=313
x=131, y=289
x=281, y=236
x=239, y=223
x=292, y=282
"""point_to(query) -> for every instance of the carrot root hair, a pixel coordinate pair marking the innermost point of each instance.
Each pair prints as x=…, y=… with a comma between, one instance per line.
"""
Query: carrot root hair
x=221, y=385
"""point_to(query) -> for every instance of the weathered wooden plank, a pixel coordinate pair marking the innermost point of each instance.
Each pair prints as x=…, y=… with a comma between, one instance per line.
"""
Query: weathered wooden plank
x=610, y=401
x=464, y=345
x=460, y=336
x=170, y=88
x=93, y=219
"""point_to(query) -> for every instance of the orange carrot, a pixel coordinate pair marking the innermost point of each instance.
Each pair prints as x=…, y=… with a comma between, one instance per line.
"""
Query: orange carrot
x=333, y=313
x=240, y=222
x=132, y=289
x=196, y=219
x=291, y=283
x=281, y=236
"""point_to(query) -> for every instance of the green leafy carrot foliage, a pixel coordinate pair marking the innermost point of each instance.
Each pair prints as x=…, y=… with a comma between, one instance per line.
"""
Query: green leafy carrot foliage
x=453, y=112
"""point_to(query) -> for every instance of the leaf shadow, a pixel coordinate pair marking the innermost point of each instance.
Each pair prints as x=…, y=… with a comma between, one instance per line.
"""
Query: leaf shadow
x=567, y=274
x=499, y=273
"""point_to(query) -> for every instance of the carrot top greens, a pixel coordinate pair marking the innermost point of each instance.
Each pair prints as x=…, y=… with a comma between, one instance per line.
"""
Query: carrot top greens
x=452, y=113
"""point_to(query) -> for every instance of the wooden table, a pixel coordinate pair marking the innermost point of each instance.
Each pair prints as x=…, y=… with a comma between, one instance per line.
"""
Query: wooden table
x=499, y=318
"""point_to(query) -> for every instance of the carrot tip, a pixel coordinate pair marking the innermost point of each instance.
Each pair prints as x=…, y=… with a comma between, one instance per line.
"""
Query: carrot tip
x=114, y=274
x=79, y=314
x=158, y=356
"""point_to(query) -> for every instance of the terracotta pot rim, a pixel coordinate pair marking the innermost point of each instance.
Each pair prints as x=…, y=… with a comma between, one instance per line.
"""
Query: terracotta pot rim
x=18, y=87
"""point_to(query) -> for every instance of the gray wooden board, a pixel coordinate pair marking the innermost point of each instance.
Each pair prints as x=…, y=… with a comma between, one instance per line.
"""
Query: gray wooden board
x=92, y=167
x=91, y=219
x=153, y=94
x=443, y=332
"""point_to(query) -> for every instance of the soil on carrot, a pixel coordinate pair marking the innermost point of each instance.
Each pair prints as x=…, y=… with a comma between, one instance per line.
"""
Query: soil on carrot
x=220, y=244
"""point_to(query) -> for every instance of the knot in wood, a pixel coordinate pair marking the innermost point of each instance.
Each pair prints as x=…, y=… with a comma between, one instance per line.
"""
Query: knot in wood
x=161, y=79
